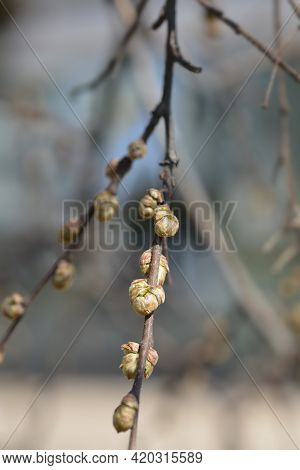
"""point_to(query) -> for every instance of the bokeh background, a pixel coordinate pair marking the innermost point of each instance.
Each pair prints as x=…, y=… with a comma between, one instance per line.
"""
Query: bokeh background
x=204, y=393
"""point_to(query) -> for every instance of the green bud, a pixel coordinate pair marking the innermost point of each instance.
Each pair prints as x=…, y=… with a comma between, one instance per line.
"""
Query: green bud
x=124, y=414
x=130, y=360
x=145, y=261
x=149, y=202
x=166, y=223
x=145, y=298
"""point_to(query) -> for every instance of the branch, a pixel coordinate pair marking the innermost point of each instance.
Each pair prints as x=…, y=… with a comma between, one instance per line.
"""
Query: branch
x=255, y=42
x=162, y=110
x=147, y=340
x=160, y=20
x=123, y=167
x=116, y=59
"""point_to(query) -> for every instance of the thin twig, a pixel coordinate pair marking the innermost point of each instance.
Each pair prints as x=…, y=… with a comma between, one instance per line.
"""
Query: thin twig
x=123, y=167
x=147, y=340
x=255, y=42
x=284, y=157
x=160, y=20
x=41, y=284
x=114, y=61
x=266, y=100
x=284, y=258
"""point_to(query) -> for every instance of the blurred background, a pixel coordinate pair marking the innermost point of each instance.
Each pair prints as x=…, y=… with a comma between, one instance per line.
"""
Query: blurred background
x=204, y=393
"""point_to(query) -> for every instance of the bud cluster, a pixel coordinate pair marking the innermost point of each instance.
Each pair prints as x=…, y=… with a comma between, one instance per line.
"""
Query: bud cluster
x=145, y=298
x=106, y=205
x=129, y=364
x=166, y=223
x=145, y=263
x=149, y=203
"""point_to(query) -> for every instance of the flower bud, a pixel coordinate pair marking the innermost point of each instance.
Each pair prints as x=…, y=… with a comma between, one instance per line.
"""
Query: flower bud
x=145, y=298
x=130, y=360
x=145, y=261
x=166, y=223
x=146, y=207
x=63, y=275
x=137, y=149
x=111, y=169
x=124, y=414
x=13, y=306
x=149, y=202
x=70, y=231
x=129, y=365
x=106, y=205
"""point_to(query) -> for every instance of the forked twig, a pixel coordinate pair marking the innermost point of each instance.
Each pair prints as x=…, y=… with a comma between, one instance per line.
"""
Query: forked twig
x=162, y=110
x=253, y=40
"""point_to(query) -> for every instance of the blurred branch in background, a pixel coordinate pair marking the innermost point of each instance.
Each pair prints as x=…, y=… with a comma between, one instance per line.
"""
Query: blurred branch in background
x=126, y=10
x=291, y=226
x=295, y=6
x=255, y=42
x=284, y=154
x=116, y=59
x=266, y=317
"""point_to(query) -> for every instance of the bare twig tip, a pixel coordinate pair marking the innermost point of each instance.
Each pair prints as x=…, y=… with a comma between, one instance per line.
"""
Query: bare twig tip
x=160, y=20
